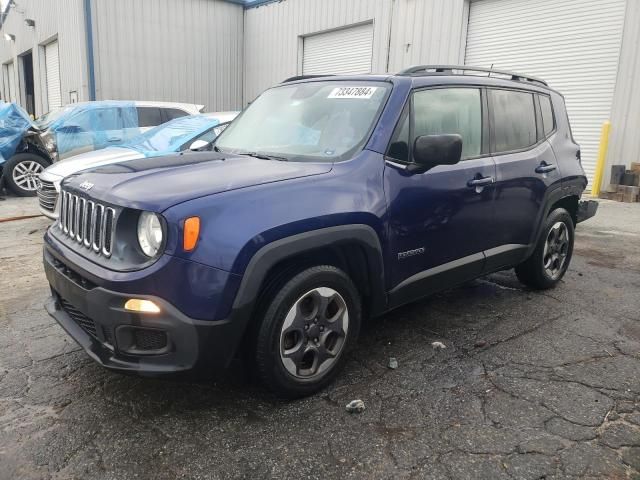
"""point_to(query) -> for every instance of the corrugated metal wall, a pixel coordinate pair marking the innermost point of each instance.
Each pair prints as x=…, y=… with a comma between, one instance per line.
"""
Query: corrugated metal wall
x=624, y=143
x=63, y=19
x=168, y=50
x=405, y=32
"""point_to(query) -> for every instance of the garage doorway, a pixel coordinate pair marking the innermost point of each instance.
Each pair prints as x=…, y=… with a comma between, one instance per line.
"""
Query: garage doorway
x=574, y=45
x=347, y=51
x=52, y=75
x=27, y=83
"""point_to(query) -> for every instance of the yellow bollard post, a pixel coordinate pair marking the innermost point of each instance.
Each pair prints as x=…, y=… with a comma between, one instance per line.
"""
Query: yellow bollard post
x=602, y=155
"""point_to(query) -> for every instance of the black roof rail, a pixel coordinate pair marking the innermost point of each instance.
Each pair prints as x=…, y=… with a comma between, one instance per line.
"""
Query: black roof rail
x=449, y=70
x=302, y=77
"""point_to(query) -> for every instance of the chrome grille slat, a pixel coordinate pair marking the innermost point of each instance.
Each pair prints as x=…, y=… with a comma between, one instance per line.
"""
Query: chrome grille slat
x=47, y=195
x=88, y=223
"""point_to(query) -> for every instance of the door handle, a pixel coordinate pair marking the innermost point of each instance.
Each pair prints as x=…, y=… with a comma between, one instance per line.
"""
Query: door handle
x=480, y=182
x=115, y=139
x=545, y=168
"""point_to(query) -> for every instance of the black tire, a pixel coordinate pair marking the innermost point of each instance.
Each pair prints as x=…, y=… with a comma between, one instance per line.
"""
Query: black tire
x=269, y=362
x=9, y=168
x=532, y=272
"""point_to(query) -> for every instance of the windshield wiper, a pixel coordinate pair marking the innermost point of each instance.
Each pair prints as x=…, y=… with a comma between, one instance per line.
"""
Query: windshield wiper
x=264, y=156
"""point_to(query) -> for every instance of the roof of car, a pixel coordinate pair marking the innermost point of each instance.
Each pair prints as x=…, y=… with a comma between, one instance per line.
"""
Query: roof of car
x=425, y=75
x=187, y=107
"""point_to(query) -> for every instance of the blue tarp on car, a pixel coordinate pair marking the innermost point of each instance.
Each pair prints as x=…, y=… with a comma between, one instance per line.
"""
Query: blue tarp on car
x=14, y=122
x=171, y=136
x=90, y=126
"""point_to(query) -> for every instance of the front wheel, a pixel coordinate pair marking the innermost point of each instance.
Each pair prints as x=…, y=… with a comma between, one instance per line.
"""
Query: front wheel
x=22, y=173
x=551, y=257
x=309, y=325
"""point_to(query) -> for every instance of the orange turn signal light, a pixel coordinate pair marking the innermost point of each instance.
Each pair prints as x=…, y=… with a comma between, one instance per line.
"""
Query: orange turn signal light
x=191, y=233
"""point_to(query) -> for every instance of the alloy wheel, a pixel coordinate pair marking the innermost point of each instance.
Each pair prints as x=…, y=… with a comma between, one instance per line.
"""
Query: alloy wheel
x=556, y=249
x=313, y=333
x=26, y=175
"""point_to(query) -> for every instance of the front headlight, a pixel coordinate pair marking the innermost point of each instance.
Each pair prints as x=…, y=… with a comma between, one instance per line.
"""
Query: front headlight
x=47, y=141
x=149, y=233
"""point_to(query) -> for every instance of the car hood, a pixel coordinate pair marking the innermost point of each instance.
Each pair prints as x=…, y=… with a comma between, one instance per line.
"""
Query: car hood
x=156, y=184
x=93, y=159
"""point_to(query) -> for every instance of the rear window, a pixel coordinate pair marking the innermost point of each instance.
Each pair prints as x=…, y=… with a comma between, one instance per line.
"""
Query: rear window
x=514, y=120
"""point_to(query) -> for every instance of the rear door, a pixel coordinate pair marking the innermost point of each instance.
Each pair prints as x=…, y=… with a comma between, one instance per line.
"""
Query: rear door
x=526, y=170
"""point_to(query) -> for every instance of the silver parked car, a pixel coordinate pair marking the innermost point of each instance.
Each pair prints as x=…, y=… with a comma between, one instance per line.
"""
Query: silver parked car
x=194, y=132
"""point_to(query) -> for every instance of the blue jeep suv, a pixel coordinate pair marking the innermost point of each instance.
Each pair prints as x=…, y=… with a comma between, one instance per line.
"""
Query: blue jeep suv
x=327, y=201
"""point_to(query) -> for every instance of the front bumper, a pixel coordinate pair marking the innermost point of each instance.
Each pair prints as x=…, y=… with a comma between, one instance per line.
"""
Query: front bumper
x=118, y=339
x=586, y=210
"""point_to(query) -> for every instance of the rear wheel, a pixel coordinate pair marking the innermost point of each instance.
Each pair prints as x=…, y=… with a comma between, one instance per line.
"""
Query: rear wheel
x=307, y=328
x=22, y=173
x=550, y=260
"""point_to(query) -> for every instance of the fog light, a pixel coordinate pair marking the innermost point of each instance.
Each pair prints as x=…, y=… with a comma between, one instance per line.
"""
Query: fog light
x=139, y=305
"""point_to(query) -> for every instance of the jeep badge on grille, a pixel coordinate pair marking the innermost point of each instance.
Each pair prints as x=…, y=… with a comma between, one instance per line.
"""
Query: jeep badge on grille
x=86, y=186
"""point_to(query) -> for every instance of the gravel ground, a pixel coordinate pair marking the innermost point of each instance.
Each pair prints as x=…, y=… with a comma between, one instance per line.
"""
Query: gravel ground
x=530, y=385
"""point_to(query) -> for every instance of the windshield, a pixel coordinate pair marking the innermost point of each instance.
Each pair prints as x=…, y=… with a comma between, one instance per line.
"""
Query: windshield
x=48, y=118
x=171, y=136
x=315, y=121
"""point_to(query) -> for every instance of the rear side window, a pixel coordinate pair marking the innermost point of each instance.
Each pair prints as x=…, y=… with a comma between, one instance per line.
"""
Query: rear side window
x=149, y=116
x=514, y=120
x=450, y=110
x=547, y=115
x=171, y=113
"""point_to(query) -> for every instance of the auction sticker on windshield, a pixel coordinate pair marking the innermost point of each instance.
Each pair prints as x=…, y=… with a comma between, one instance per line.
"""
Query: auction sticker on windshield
x=352, y=92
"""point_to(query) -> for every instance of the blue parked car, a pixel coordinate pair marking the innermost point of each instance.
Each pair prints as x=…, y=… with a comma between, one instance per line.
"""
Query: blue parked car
x=78, y=128
x=195, y=132
x=327, y=201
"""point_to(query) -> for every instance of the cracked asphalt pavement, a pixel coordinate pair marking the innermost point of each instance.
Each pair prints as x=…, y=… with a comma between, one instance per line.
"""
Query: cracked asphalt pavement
x=530, y=385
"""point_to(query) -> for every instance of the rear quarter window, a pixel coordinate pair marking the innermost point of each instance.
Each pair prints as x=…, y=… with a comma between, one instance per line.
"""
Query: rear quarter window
x=548, y=121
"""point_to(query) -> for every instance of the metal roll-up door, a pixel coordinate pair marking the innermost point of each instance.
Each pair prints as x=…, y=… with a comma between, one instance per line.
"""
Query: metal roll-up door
x=11, y=83
x=52, y=72
x=339, y=52
x=573, y=44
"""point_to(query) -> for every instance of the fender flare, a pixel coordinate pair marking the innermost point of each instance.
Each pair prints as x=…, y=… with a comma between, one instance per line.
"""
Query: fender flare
x=273, y=253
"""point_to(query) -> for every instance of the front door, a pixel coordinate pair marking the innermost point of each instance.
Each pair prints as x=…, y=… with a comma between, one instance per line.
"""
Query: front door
x=442, y=220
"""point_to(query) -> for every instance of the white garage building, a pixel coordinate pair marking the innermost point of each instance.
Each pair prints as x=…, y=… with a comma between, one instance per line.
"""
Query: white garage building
x=224, y=53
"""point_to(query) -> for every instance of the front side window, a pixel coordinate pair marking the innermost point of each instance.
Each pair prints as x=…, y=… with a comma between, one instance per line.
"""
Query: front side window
x=514, y=120
x=450, y=110
x=315, y=121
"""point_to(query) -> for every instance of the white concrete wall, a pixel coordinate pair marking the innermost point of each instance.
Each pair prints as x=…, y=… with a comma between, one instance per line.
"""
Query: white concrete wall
x=61, y=19
x=168, y=50
x=405, y=32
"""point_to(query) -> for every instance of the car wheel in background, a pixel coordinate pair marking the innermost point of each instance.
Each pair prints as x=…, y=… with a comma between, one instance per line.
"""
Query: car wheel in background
x=22, y=173
x=549, y=261
x=308, y=326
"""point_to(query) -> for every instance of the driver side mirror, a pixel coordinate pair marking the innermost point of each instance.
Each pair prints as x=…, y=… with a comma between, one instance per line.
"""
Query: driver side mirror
x=432, y=150
x=198, y=145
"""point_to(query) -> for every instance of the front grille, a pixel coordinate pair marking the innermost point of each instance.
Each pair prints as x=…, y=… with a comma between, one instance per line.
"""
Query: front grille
x=149, y=339
x=80, y=318
x=87, y=222
x=47, y=195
